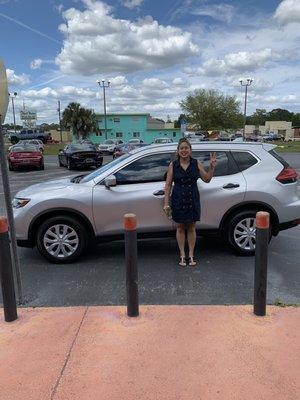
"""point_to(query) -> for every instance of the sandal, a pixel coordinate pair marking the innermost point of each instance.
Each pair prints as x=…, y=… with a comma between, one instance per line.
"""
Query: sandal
x=192, y=262
x=182, y=262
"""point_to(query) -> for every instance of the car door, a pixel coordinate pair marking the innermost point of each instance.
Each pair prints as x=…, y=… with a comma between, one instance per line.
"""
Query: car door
x=139, y=190
x=226, y=189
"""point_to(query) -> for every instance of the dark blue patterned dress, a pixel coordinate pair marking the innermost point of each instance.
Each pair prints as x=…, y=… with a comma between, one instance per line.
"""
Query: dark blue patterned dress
x=185, y=199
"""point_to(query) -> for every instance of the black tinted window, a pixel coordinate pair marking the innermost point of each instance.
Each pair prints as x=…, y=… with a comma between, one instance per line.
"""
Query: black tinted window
x=225, y=165
x=152, y=168
x=244, y=159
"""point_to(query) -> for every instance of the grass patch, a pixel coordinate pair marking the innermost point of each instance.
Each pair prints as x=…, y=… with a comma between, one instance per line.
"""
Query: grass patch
x=288, y=147
x=280, y=303
x=53, y=149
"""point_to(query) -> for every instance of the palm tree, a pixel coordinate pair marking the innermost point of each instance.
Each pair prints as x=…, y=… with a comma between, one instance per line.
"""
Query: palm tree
x=81, y=120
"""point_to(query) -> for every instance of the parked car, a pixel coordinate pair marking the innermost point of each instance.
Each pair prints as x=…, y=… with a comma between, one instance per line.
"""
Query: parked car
x=26, y=134
x=109, y=146
x=25, y=155
x=80, y=155
x=162, y=140
x=35, y=142
x=225, y=136
x=120, y=150
x=135, y=141
x=62, y=217
x=196, y=139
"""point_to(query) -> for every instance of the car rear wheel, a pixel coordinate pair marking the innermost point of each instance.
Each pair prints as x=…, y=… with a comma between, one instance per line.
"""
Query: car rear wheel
x=241, y=232
x=42, y=166
x=10, y=167
x=62, y=239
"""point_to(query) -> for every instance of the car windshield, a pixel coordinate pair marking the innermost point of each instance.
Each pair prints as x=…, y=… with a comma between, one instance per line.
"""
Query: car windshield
x=104, y=168
x=82, y=147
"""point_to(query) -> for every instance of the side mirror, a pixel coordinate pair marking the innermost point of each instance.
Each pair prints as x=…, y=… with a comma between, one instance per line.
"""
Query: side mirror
x=110, y=181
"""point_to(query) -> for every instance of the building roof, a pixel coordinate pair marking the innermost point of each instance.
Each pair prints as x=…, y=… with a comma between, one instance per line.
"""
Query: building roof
x=121, y=114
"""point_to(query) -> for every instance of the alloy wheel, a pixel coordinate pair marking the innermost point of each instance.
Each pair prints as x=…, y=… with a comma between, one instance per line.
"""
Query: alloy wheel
x=61, y=241
x=244, y=234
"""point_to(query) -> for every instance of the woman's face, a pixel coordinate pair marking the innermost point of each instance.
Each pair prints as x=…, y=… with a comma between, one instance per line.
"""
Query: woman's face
x=184, y=150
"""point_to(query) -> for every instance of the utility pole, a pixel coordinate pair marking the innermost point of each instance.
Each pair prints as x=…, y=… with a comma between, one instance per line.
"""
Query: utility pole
x=13, y=96
x=59, y=117
x=104, y=86
x=248, y=83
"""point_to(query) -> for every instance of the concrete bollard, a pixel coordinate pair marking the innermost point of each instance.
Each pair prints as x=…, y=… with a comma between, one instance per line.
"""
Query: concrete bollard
x=6, y=274
x=130, y=224
x=261, y=262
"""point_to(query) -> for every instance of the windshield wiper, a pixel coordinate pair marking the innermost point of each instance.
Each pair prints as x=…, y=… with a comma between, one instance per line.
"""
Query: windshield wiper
x=77, y=179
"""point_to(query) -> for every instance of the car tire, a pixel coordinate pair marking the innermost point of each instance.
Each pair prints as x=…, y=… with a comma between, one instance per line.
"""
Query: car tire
x=69, y=165
x=60, y=164
x=241, y=231
x=65, y=250
x=42, y=166
x=10, y=167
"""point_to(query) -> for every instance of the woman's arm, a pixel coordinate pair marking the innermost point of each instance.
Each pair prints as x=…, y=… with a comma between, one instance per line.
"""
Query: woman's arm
x=168, y=185
x=206, y=176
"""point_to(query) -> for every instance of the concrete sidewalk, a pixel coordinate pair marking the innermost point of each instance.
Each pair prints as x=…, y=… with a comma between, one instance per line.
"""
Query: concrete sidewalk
x=169, y=352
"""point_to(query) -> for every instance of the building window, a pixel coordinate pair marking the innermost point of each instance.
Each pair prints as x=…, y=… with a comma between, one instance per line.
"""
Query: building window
x=99, y=133
x=174, y=134
x=100, y=120
x=119, y=134
x=116, y=119
x=136, y=134
x=135, y=119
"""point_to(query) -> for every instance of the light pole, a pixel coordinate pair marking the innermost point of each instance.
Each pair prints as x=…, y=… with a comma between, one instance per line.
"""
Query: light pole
x=104, y=86
x=13, y=96
x=246, y=84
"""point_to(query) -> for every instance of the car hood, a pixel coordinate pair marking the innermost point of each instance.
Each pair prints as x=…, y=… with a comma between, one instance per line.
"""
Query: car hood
x=44, y=186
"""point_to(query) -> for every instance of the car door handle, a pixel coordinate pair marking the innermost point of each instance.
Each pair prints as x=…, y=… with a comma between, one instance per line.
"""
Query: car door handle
x=231, y=186
x=159, y=193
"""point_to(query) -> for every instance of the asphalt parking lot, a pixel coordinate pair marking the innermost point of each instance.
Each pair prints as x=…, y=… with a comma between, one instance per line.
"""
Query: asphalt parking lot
x=99, y=278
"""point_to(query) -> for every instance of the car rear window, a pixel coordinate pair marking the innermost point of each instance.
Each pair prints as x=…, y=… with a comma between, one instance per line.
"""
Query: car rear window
x=82, y=147
x=279, y=158
x=225, y=164
x=244, y=159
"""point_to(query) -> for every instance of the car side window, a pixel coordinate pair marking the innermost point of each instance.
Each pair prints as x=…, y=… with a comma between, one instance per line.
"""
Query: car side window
x=225, y=164
x=244, y=159
x=152, y=168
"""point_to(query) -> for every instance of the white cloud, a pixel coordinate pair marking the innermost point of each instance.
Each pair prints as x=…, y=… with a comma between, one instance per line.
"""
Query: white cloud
x=64, y=92
x=15, y=79
x=97, y=42
x=154, y=83
x=179, y=82
x=288, y=11
x=220, y=12
x=118, y=81
x=132, y=3
x=242, y=61
x=36, y=63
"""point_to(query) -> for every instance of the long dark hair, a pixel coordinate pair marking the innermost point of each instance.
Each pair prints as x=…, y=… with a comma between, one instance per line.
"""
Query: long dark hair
x=180, y=141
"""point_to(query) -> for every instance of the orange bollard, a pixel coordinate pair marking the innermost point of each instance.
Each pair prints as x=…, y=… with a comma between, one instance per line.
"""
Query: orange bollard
x=6, y=274
x=130, y=225
x=261, y=262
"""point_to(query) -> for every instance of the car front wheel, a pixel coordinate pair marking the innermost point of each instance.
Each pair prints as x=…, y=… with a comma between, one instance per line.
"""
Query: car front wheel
x=62, y=239
x=241, y=232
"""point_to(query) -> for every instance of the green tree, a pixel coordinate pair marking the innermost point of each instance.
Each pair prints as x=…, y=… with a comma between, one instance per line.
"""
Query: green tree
x=279, y=114
x=259, y=117
x=177, y=122
x=81, y=120
x=212, y=109
x=296, y=119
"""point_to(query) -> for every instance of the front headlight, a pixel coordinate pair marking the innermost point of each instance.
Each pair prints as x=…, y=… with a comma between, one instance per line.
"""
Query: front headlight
x=18, y=203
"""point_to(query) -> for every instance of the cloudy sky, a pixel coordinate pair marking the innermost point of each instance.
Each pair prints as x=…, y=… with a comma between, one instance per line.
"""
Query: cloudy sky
x=153, y=52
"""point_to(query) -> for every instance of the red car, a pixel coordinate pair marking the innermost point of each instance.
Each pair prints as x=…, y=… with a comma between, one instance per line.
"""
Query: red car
x=25, y=155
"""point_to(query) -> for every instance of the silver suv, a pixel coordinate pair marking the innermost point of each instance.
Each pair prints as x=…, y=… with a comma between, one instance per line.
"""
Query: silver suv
x=63, y=217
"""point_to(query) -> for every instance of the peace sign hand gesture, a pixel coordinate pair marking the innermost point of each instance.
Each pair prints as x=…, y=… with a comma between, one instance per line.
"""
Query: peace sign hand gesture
x=213, y=159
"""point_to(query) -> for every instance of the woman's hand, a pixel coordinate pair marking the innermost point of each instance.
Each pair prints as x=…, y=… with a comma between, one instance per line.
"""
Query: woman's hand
x=213, y=159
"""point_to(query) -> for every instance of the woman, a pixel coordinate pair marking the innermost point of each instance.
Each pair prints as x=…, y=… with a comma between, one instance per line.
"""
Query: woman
x=185, y=200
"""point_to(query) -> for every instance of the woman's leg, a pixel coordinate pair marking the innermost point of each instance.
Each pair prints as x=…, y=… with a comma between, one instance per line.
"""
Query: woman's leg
x=191, y=236
x=180, y=236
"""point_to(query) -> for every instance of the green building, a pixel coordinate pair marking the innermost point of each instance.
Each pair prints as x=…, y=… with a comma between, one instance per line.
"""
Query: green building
x=133, y=126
